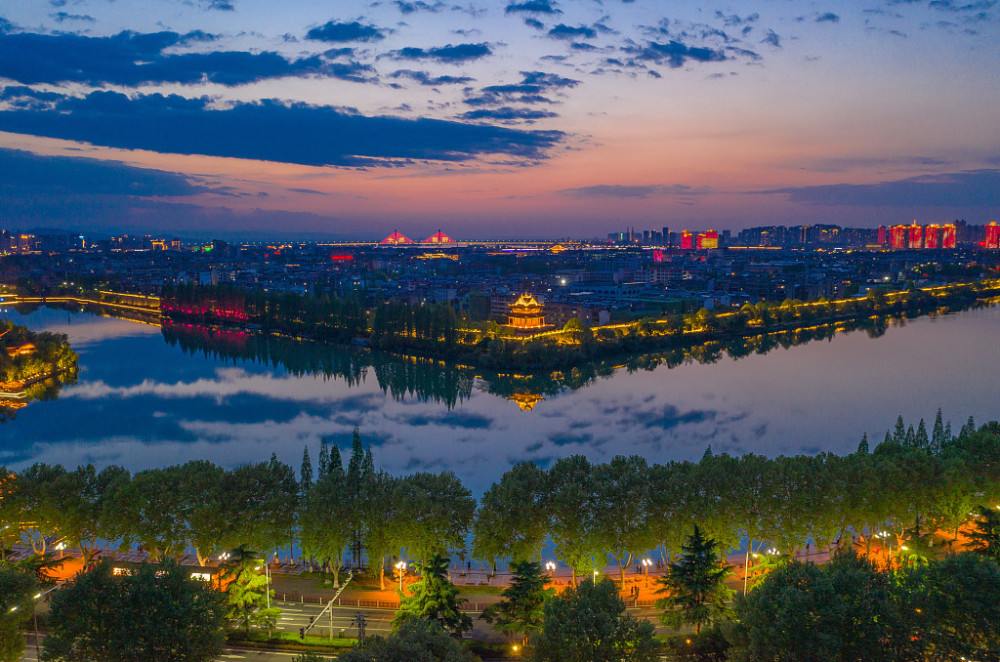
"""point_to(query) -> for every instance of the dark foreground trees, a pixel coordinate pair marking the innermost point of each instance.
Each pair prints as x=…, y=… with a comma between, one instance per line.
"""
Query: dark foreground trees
x=588, y=623
x=16, y=588
x=850, y=609
x=415, y=641
x=156, y=614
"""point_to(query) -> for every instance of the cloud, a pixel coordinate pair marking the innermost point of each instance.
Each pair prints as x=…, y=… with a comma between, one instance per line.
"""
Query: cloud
x=621, y=191
x=61, y=16
x=424, y=78
x=974, y=188
x=674, y=53
x=298, y=133
x=24, y=172
x=451, y=54
x=563, y=31
x=452, y=419
x=221, y=5
x=419, y=5
x=130, y=58
x=534, y=23
x=531, y=90
x=334, y=32
x=772, y=39
x=507, y=113
x=532, y=7
x=828, y=17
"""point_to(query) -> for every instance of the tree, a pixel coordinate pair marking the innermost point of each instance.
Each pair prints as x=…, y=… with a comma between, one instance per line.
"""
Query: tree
x=204, y=504
x=522, y=607
x=414, y=641
x=16, y=588
x=306, y=477
x=570, y=503
x=694, y=586
x=952, y=607
x=438, y=511
x=620, y=523
x=511, y=521
x=322, y=530
x=247, y=593
x=588, y=623
x=156, y=614
x=984, y=538
x=262, y=499
x=844, y=610
x=434, y=598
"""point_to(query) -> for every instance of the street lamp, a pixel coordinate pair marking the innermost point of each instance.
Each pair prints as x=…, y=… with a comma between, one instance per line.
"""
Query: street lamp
x=551, y=567
x=401, y=568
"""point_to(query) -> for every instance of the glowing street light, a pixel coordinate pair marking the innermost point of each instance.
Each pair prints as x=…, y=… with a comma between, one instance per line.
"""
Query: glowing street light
x=401, y=568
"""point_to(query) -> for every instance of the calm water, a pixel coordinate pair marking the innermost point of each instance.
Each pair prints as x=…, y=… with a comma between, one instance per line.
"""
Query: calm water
x=142, y=402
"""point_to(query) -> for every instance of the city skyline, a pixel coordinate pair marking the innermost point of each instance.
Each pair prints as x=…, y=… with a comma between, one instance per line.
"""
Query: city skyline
x=535, y=118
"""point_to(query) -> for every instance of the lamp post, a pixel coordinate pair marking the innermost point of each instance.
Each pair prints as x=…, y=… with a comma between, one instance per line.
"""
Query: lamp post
x=646, y=563
x=401, y=568
x=551, y=567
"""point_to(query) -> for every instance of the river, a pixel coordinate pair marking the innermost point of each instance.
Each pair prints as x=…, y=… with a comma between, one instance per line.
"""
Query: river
x=143, y=402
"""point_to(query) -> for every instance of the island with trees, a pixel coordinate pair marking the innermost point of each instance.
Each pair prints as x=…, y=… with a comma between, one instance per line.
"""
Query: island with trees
x=33, y=366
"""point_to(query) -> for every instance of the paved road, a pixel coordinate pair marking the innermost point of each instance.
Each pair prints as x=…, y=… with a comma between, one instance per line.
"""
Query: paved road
x=229, y=655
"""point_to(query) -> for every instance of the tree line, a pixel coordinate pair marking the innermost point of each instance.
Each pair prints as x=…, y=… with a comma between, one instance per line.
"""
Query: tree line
x=914, y=482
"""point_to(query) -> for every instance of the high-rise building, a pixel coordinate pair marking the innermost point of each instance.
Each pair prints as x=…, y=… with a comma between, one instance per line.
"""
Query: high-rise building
x=932, y=236
x=881, y=235
x=993, y=236
x=898, y=236
x=687, y=240
x=916, y=236
x=948, y=236
x=708, y=240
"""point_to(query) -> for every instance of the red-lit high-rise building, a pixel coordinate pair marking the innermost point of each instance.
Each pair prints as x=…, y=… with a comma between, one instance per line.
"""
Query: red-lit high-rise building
x=993, y=236
x=948, y=236
x=932, y=236
x=881, y=235
x=899, y=236
x=687, y=240
x=916, y=238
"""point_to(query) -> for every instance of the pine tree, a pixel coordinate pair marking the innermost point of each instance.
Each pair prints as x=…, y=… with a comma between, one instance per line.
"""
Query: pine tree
x=522, y=607
x=910, y=439
x=324, y=458
x=863, y=446
x=247, y=592
x=335, y=466
x=937, y=435
x=434, y=598
x=306, y=473
x=921, y=440
x=899, y=433
x=695, y=585
x=968, y=429
x=708, y=452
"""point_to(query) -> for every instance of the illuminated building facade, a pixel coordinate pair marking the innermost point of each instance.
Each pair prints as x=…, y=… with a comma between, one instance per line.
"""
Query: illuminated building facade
x=993, y=236
x=932, y=236
x=916, y=236
x=687, y=240
x=708, y=240
x=898, y=236
x=881, y=235
x=948, y=236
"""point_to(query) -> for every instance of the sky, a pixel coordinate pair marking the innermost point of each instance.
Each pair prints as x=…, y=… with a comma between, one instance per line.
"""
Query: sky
x=495, y=118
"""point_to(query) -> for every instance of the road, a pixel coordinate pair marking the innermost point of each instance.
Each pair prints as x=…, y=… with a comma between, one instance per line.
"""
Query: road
x=228, y=655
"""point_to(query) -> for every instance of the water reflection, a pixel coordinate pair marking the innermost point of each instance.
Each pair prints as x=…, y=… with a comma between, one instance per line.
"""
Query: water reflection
x=234, y=398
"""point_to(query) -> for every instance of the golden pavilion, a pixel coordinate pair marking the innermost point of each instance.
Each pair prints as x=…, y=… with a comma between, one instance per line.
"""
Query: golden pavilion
x=526, y=315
